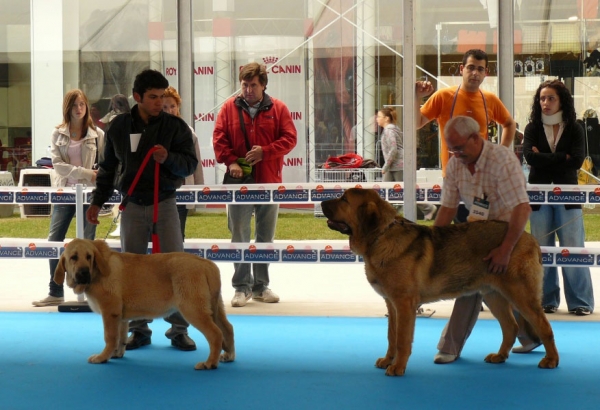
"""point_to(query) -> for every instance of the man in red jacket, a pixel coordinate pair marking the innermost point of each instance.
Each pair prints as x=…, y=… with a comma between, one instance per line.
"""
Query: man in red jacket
x=258, y=147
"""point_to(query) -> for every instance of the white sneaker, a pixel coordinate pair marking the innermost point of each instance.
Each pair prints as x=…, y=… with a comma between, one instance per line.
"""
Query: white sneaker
x=48, y=301
x=117, y=231
x=267, y=296
x=240, y=299
x=526, y=348
x=444, y=358
x=429, y=215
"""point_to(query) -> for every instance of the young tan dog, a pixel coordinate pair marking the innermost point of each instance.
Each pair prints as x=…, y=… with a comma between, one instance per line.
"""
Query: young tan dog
x=125, y=286
x=410, y=264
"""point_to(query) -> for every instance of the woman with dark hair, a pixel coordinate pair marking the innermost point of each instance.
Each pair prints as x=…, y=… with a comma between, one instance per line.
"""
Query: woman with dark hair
x=554, y=147
x=75, y=145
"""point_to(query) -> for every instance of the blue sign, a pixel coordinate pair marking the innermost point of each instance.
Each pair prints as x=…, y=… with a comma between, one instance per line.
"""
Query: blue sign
x=337, y=256
x=215, y=196
x=253, y=196
x=583, y=259
x=225, y=255
x=62, y=198
x=325, y=194
x=35, y=252
x=301, y=255
x=7, y=197
x=185, y=197
x=570, y=197
x=291, y=195
x=33, y=197
x=197, y=252
x=537, y=196
x=11, y=252
x=261, y=255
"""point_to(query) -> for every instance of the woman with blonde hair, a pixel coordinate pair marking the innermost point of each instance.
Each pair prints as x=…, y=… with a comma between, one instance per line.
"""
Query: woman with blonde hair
x=75, y=145
x=172, y=105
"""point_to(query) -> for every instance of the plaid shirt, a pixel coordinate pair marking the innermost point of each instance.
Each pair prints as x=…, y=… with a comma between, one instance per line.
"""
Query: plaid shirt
x=498, y=178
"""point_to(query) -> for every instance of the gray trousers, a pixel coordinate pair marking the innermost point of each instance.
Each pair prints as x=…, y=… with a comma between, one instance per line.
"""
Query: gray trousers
x=136, y=232
x=462, y=320
x=238, y=220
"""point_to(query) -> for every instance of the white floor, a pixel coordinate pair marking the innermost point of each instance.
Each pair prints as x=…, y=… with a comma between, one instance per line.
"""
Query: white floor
x=305, y=290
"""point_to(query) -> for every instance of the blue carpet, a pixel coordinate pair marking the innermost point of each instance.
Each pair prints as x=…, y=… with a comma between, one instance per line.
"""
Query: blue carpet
x=287, y=363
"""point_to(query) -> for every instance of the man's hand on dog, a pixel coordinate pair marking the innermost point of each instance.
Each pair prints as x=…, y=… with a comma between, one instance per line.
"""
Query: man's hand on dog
x=498, y=260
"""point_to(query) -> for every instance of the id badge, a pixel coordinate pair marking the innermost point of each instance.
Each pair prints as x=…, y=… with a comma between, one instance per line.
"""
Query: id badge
x=480, y=210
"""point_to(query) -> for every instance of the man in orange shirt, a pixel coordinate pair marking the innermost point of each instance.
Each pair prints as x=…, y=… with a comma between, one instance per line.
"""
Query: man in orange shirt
x=466, y=99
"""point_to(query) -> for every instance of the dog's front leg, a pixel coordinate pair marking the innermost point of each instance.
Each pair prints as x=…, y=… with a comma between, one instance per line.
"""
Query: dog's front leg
x=122, y=342
x=111, y=323
x=384, y=362
x=406, y=314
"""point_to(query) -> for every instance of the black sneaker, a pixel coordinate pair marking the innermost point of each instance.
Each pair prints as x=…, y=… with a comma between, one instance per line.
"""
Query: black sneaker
x=581, y=311
x=550, y=309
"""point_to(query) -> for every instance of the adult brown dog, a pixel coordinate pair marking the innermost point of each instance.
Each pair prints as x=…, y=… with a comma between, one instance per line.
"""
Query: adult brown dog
x=125, y=286
x=410, y=264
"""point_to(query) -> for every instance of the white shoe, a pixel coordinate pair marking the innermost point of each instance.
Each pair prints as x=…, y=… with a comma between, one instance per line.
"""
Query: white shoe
x=429, y=215
x=425, y=312
x=526, y=348
x=240, y=299
x=117, y=231
x=267, y=296
x=444, y=358
x=48, y=301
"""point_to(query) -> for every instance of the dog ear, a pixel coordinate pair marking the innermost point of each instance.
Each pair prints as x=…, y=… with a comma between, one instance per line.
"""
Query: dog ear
x=369, y=218
x=59, y=272
x=100, y=264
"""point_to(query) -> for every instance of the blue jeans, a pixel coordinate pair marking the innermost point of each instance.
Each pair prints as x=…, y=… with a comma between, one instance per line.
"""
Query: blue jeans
x=61, y=218
x=238, y=222
x=136, y=232
x=577, y=281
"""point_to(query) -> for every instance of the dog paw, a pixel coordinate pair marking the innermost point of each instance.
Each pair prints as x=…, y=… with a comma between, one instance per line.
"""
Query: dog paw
x=117, y=354
x=547, y=363
x=205, y=366
x=495, y=358
x=96, y=358
x=227, y=357
x=394, y=370
x=383, y=362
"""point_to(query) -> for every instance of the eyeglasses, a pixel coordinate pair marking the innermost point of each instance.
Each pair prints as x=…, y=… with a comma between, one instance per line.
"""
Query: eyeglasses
x=460, y=149
x=472, y=67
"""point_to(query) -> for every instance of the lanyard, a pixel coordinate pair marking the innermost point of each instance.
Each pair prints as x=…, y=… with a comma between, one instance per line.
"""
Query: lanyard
x=487, y=121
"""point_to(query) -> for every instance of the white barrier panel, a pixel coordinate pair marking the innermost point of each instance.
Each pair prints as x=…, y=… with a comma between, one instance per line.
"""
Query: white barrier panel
x=279, y=252
x=294, y=193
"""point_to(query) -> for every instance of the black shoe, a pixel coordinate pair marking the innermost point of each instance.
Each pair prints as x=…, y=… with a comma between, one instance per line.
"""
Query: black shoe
x=137, y=340
x=581, y=311
x=550, y=309
x=183, y=342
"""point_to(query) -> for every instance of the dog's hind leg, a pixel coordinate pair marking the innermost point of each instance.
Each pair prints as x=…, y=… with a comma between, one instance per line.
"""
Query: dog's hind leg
x=406, y=314
x=532, y=311
x=384, y=362
x=228, y=354
x=201, y=317
x=501, y=309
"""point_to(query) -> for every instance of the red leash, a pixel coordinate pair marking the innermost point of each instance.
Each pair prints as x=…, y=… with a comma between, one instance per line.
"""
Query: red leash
x=155, y=241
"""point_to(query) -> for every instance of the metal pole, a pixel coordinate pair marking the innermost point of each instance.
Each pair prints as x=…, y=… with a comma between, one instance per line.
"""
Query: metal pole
x=185, y=59
x=506, y=84
x=408, y=113
x=79, y=220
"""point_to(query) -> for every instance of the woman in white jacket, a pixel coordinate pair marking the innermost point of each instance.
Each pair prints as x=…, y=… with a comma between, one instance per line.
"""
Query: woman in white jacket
x=75, y=146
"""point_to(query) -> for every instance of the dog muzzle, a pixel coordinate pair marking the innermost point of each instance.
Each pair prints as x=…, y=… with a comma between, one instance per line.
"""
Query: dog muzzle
x=83, y=277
